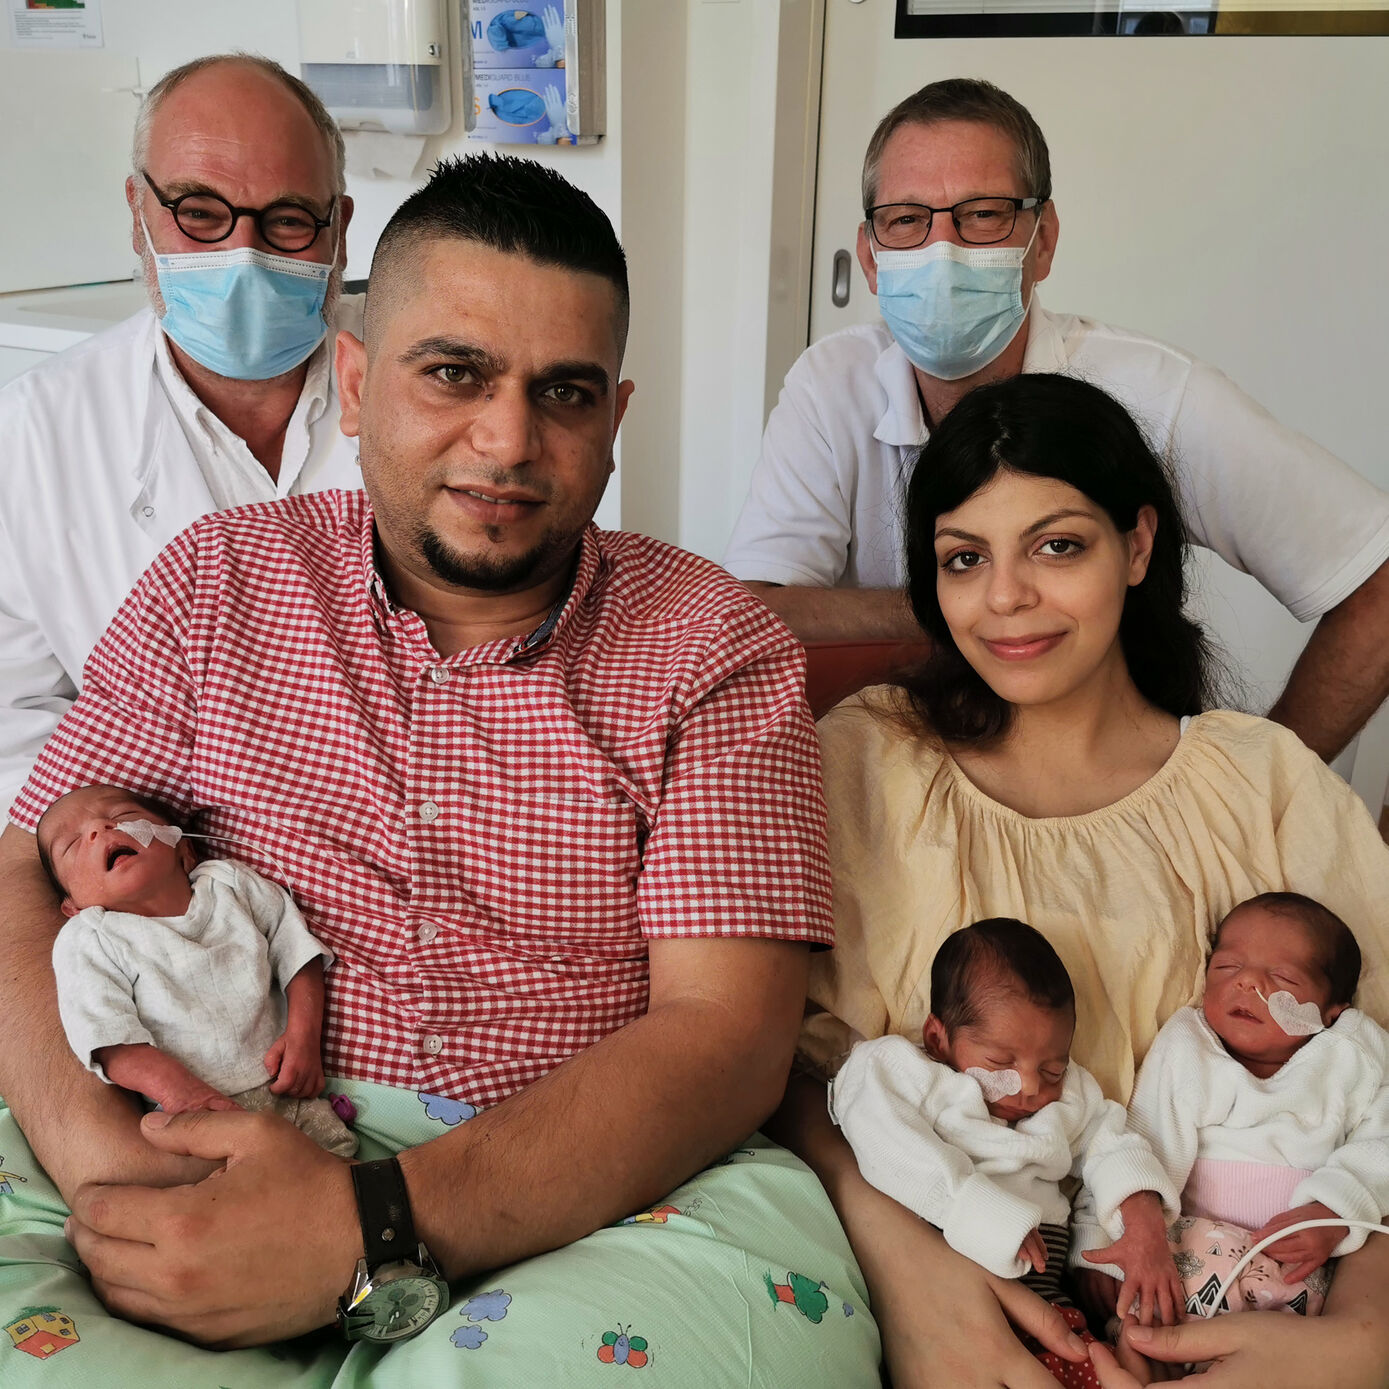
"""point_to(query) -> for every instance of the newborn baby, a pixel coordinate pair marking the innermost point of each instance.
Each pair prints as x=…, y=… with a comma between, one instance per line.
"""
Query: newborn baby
x=977, y=1132
x=165, y=969
x=1269, y=1105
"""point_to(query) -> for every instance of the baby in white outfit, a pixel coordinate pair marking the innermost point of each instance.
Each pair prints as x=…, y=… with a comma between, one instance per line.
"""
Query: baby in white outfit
x=976, y=1132
x=1269, y=1105
x=167, y=968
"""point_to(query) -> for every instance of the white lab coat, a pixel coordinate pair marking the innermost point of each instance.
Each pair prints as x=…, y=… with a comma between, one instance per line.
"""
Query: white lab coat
x=98, y=471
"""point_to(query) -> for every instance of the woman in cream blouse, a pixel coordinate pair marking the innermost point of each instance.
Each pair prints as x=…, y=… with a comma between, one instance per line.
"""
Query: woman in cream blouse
x=1053, y=762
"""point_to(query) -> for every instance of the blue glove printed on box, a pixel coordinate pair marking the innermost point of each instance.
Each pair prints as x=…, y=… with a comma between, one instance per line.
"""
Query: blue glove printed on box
x=514, y=29
x=516, y=106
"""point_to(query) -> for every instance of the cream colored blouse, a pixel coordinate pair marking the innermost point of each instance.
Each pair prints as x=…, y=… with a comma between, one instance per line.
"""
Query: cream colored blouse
x=1128, y=894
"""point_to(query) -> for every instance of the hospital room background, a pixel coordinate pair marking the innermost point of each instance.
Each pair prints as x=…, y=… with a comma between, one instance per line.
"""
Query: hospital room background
x=1228, y=194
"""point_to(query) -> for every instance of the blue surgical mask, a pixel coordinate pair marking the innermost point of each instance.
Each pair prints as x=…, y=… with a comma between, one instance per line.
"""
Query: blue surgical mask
x=952, y=309
x=246, y=314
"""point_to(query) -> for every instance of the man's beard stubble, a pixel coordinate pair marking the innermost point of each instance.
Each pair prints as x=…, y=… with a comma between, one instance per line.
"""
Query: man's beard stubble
x=484, y=575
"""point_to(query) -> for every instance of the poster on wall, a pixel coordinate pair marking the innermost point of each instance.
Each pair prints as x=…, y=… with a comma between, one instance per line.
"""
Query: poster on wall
x=56, y=23
x=934, y=19
x=538, y=72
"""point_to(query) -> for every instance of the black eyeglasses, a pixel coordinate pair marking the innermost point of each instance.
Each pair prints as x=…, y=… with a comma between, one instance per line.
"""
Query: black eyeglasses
x=980, y=221
x=208, y=218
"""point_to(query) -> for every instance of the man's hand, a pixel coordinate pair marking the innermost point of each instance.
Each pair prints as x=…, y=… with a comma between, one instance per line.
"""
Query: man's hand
x=296, y=1063
x=1306, y=1251
x=1151, y=1287
x=1033, y=1251
x=255, y=1253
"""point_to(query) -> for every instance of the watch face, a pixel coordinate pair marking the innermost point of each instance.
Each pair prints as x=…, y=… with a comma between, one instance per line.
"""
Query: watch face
x=401, y=1307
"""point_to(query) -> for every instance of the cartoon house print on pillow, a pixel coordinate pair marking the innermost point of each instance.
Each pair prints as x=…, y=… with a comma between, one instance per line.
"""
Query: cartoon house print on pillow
x=42, y=1331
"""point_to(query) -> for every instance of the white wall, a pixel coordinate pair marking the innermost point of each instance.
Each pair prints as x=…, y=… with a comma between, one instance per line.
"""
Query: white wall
x=719, y=134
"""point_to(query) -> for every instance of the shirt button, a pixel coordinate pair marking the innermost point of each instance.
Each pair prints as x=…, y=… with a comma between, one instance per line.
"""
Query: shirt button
x=427, y=932
x=428, y=811
x=149, y=511
x=439, y=675
x=433, y=1045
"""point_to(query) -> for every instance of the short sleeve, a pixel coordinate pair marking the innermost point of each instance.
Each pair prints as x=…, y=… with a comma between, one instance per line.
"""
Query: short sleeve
x=290, y=942
x=796, y=524
x=35, y=689
x=846, y=1003
x=96, y=991
x=737, y=844
x=1331, y=850
x=1255, y=491
x=134, y=723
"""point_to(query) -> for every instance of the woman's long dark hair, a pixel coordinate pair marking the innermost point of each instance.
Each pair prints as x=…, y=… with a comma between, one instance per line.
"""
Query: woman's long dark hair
x=1054, y=427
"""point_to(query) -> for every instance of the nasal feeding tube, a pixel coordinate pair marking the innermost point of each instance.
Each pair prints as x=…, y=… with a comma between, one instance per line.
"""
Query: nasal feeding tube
x=144, y=832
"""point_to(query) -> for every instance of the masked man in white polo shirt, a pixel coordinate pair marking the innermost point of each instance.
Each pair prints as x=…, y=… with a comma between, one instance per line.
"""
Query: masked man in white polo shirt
x=221, y=393
x=959, y=228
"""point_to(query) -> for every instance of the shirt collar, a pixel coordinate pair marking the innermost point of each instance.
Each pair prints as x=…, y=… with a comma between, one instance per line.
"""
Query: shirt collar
x=585, y=574
x=1046, y=345
x=902, y=423
x=313, y=398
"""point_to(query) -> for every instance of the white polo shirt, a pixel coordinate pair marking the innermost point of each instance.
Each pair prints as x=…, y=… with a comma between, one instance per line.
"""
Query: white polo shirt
x=825, y=502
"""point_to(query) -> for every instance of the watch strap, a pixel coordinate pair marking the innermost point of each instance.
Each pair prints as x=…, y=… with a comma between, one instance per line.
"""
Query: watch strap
x=383, y=1206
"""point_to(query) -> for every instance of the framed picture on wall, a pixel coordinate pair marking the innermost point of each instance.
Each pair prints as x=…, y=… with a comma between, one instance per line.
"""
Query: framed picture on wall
x=959, y=19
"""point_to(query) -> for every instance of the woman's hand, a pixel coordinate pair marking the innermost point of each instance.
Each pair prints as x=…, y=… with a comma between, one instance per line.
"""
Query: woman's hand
x=944, y=1320
x=1256, y=1350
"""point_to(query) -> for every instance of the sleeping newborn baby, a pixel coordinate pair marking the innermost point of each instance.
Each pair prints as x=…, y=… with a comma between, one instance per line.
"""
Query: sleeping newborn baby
x=977, y=1131
x=1269, y=1105
x=167, y=968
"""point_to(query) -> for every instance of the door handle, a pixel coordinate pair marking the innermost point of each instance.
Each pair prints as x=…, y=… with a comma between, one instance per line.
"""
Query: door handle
x=840, y=279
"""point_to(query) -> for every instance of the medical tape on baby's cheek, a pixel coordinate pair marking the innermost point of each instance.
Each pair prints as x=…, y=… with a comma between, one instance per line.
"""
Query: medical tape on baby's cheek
x=1296, y=1019
x=996, y=1085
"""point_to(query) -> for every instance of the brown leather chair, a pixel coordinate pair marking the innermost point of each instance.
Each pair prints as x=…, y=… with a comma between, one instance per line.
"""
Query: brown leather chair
x=836, y=669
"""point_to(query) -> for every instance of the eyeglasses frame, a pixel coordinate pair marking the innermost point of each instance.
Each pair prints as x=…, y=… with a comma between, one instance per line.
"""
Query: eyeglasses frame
x=256, y=213
x=1019, y=205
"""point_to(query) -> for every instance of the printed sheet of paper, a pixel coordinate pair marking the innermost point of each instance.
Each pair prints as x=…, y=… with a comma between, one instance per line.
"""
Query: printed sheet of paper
x=56, y=23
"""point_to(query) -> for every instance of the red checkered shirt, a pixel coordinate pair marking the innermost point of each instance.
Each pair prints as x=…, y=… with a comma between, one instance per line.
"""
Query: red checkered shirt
x=486, y=841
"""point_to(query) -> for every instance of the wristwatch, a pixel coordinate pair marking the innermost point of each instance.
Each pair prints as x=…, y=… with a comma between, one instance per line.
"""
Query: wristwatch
x=397, y=1289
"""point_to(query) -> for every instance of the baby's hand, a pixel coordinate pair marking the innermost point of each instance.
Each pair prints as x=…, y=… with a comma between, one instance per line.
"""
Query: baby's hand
x=1152, y=1291
x=1032, y=1251
x=1306, y=1251
x=295, y=1065
x=181, y=1097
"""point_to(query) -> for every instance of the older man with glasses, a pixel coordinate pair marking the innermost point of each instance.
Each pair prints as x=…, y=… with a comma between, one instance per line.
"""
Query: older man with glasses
x=219, y=394
x=958, y=230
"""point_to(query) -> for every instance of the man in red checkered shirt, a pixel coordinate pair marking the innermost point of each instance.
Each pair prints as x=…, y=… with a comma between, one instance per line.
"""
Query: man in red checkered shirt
x=550, y=794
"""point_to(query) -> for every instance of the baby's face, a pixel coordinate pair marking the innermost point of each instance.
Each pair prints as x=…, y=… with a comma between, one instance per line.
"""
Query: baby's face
x=1012, y=1035
x=1262, y=952
x=98, y=864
